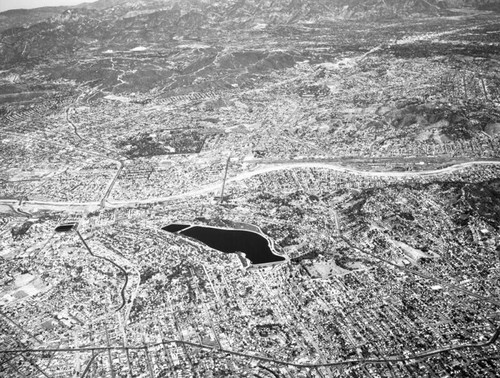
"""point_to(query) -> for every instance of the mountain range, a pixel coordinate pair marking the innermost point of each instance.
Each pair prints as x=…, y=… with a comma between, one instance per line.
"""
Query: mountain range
x=30, y=36
x=276, y=11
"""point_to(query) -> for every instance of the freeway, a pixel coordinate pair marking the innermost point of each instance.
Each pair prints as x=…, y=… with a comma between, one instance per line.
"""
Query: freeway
x=292, y=165
x=274, y=168
x=262, y=169
x=124, y=287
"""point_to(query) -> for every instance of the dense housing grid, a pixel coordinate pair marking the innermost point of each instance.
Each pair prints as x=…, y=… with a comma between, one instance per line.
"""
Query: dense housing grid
x=357, y=143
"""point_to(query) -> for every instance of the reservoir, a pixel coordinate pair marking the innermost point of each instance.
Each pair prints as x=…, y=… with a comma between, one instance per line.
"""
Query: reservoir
x=66, y=227
x=256, y=246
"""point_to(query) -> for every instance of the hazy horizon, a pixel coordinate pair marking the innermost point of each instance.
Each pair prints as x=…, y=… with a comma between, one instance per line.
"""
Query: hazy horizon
x=29, y=4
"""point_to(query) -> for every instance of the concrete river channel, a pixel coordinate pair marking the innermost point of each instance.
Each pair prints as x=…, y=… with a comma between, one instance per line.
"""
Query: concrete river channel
x=255, y=246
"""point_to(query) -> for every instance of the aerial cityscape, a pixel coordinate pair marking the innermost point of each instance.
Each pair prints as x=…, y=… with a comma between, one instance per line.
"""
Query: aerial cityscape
x=250, y=188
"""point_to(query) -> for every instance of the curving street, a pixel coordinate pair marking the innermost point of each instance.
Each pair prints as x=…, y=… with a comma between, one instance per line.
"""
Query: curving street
x=105, y=202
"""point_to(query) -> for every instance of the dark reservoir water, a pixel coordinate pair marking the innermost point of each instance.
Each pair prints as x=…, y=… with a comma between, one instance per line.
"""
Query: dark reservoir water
x=256, y=247
x=65, y=227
